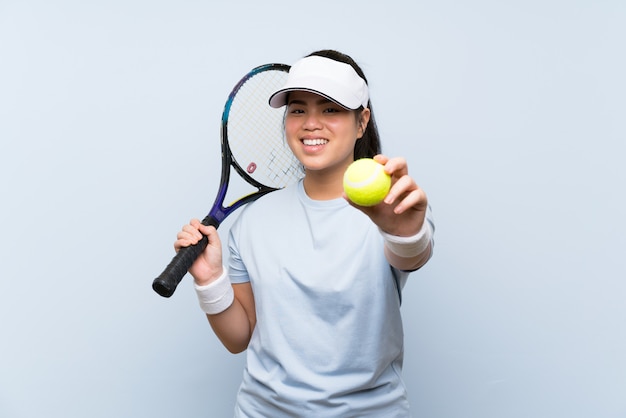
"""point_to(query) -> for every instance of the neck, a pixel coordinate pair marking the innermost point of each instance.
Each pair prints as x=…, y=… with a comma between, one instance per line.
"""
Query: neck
x=319, y=186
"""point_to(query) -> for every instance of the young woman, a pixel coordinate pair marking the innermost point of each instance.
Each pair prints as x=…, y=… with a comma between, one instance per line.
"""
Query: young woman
x=313, y=284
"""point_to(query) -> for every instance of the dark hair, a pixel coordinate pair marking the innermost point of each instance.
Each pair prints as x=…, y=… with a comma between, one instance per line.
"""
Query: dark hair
x=369, y=144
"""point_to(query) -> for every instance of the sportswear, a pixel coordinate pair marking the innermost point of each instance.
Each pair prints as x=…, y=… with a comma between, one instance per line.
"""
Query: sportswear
x=328, y=340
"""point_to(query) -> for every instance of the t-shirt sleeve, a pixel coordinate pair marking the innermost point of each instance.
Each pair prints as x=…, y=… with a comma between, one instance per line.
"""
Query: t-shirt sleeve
x=236, y=268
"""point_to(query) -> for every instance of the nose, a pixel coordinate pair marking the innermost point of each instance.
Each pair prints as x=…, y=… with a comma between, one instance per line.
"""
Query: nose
x=312, y=122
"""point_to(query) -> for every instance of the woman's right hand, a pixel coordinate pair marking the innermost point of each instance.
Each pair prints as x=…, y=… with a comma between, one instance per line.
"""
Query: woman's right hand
x=208, y=266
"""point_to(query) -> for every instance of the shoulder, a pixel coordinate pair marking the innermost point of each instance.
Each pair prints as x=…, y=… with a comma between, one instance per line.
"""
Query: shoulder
x=268, y=208
x=271, y=202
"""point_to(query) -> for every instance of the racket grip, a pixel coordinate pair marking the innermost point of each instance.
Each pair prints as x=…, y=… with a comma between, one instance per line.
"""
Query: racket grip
x=165, y=285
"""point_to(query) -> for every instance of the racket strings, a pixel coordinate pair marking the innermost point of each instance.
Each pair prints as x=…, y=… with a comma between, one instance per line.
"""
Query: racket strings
x=256, y=133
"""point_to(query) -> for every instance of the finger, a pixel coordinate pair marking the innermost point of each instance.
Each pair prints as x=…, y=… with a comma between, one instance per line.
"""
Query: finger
x=206, y=229
x=416, y=199
x=403, y=185
x=186, y=237
x=396, y=167
x=214, y=238
x=184, y=242
x=381, y=159
x=192, y=231
x=181, y=243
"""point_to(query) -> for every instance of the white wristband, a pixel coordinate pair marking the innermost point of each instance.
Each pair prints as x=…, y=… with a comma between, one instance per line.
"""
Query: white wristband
x=409, y=246
x=216, y=296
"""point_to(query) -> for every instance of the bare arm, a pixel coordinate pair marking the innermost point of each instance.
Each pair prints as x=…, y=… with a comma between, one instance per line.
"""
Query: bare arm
x=234, y=326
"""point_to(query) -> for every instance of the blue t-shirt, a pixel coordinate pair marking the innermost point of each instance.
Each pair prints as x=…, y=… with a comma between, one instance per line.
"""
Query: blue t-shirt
x=328, y=341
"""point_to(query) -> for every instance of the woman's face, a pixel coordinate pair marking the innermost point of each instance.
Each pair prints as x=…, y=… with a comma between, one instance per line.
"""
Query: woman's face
x=321, y=133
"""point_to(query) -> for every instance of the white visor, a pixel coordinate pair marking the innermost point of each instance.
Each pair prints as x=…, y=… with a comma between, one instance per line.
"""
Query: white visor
x=332, y=79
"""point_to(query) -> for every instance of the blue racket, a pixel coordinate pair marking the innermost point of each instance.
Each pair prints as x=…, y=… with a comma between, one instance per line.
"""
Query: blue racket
x=253, y=146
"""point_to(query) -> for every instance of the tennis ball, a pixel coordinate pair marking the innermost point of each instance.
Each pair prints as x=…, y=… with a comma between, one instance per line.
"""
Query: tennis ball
x=365, y=182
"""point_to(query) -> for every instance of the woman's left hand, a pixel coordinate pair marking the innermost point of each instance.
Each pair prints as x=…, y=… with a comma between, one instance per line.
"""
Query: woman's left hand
x=403, y=211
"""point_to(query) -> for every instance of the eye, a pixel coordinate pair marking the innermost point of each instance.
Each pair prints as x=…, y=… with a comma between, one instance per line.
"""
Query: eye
x=333, y=109
x=295, y=110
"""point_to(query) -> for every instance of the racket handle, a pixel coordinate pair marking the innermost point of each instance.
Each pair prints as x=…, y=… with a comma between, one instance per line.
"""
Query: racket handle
x=165, y=285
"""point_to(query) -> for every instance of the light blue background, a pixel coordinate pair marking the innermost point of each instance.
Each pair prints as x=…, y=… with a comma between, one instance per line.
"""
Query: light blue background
x=510, y=113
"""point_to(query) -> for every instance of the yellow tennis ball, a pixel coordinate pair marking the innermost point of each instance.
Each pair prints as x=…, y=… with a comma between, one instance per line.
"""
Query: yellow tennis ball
x=366, y=183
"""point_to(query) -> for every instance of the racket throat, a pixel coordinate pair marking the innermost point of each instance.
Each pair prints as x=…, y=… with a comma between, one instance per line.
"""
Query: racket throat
x=214, y=218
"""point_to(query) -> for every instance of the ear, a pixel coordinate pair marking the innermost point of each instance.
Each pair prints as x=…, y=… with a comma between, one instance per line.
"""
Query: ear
x=364, y=119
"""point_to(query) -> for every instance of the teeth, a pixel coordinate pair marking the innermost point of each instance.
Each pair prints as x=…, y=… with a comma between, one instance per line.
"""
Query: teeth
x=315, y=141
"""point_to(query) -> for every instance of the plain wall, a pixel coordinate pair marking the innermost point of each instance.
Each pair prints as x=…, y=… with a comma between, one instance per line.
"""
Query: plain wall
x=511, y=115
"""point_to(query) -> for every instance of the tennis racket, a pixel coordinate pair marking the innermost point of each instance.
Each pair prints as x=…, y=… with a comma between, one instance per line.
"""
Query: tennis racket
x=253, y=145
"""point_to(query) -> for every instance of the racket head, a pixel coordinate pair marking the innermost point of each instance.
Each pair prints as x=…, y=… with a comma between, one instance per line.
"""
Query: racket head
x=253, y=139
x=253, y=144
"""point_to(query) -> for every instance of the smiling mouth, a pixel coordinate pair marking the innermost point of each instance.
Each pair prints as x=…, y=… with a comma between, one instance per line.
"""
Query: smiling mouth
x=314, y=141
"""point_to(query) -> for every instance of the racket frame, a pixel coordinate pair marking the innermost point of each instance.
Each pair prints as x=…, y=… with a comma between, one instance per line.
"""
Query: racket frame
x=165, y=284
